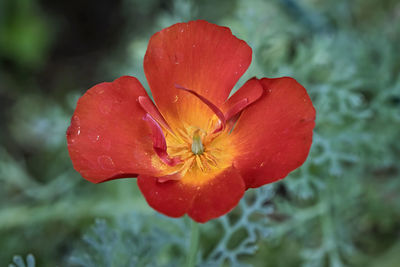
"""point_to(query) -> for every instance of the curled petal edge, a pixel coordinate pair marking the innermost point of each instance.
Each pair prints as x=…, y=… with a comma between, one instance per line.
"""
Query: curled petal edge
x=159, y=143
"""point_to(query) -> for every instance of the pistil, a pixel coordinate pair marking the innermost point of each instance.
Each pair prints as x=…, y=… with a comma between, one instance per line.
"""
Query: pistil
x=197, y=145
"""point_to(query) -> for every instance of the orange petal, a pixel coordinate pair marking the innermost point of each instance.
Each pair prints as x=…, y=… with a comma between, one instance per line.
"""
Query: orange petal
x=249, y=93
x=159, y=143
x=148, y=105
x=273, y=136
x=107, y=138
x=210, y=105
x=198, y=55
x=202, y=202
x=217, y=197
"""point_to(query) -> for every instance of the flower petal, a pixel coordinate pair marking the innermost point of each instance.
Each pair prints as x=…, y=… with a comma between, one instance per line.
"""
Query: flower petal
x=250, y=92
x=172, y=198
x=274, y=135
x=198, y=55
x=210, y=105
x=148, y=105
x=159, y=143
x=202, y=202
x=107, y=138
x=217, y=197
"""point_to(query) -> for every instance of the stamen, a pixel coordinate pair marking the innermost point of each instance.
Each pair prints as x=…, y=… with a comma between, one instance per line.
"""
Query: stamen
x=213, y=107
x=211, y=159
x=200, y=163
x=159, y=143
x=187, y=165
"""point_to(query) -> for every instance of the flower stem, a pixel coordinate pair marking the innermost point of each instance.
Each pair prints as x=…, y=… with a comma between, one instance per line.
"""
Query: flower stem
x=194, y=245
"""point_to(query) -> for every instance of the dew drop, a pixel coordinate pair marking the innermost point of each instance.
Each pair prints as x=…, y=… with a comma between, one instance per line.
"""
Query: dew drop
x=106, y=162
x=100, y=91
x=93, y=136
x=74, y=130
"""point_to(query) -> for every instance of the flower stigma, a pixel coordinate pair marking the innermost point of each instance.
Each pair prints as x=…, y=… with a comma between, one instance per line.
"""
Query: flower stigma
x=197, y=145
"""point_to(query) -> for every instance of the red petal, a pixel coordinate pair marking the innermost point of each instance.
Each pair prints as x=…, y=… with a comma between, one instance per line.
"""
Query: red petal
x=250, y=92
x=159, y=143
x=152, y=110
x=107, y=138
x=202, y=202
x=273, y=136
x=207, y=102
x=172, y=198
x=218, y=196
x=198, y=55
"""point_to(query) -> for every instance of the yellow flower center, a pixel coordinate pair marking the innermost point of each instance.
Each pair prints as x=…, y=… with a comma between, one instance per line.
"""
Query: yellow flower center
x=204, y=154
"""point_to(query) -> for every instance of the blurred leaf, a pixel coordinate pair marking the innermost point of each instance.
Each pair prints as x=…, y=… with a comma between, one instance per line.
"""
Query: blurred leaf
x=24, y=33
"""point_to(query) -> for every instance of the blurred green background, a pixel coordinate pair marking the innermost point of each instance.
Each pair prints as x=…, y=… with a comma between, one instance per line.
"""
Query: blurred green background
x=341, y=208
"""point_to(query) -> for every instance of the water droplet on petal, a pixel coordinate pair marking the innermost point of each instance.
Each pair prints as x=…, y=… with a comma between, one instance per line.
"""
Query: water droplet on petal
x=99, y=90
x=74, y=130
x=93, y=136
x=106, y=162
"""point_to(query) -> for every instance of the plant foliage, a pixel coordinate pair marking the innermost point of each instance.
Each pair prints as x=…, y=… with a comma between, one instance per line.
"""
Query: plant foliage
x=341, y=208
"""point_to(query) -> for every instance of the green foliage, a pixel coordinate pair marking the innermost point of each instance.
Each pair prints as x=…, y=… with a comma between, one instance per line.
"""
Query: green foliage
x=131, y=242
x=24, y=34
x=341, y=208
x=18, y=261
x=242, y=229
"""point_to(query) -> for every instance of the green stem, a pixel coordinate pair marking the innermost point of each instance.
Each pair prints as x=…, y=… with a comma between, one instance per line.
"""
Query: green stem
x=194, y=245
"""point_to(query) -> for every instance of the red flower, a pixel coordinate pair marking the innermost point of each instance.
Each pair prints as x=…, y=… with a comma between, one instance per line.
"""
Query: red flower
x=196, y=151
